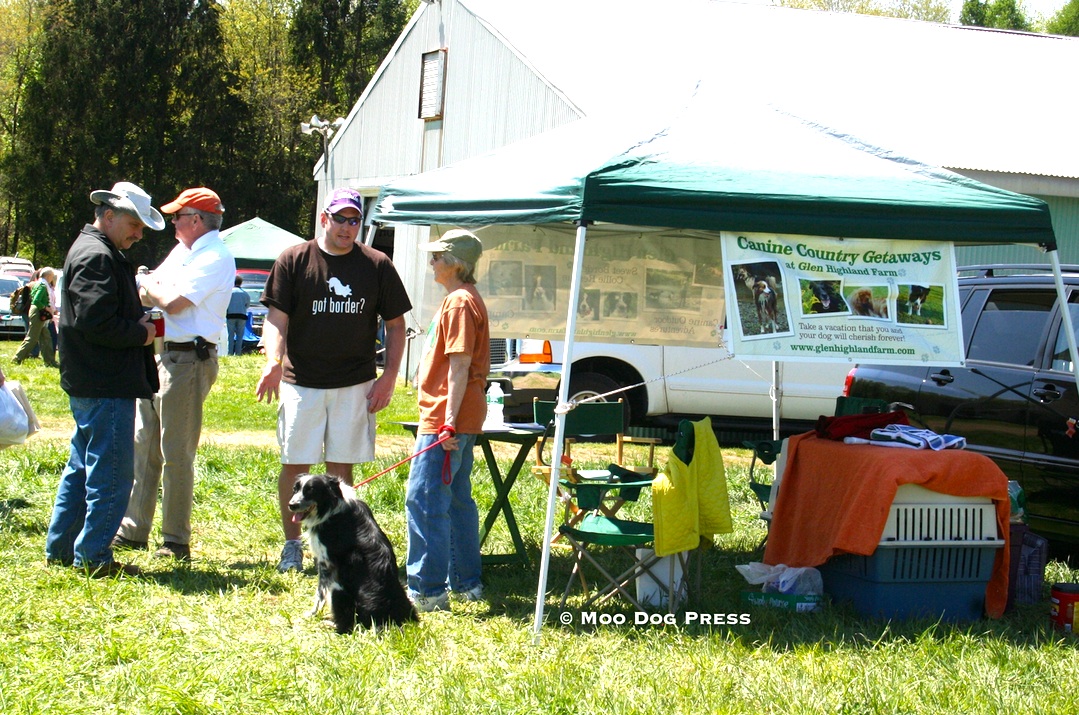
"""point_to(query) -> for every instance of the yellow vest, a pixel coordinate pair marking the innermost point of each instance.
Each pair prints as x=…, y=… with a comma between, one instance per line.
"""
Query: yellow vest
x=690, y=500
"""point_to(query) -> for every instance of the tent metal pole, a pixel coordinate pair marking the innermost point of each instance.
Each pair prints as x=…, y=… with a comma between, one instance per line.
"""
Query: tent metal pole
x=560, y=427
x=777, y=399
x=1065, y=313
x=369, y=239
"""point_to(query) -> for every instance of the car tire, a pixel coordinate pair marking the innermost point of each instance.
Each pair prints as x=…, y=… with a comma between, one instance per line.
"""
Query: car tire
x=590, y=384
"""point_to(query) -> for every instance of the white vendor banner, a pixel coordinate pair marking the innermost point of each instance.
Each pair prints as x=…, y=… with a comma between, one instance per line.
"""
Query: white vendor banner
x=641, y=286
x=849, y=300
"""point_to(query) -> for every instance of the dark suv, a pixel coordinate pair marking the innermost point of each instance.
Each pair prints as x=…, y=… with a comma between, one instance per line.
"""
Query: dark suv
x=1015, y=401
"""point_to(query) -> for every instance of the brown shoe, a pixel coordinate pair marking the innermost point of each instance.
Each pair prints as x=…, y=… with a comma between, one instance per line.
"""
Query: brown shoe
x=120, y=542
x=172, y=550
x=114, y=568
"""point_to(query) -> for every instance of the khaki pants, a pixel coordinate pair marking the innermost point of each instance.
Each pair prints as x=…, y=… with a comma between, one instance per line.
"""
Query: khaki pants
x=37, y=334
x=167, y=430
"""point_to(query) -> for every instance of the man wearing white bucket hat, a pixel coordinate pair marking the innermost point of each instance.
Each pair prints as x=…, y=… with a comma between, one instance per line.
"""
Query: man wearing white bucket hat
x=108, y=363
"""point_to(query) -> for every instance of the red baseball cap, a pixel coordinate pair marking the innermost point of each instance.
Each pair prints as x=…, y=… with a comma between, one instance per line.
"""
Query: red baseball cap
x=199, y=198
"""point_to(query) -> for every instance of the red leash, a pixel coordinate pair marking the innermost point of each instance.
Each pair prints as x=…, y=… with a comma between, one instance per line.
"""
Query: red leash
x=447, y=475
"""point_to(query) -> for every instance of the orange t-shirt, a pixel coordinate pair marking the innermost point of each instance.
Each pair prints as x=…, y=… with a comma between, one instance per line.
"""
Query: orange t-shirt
x=460, y=327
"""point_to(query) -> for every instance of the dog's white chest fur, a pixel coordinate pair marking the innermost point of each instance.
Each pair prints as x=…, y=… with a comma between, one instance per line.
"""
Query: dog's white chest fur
x=318, y=549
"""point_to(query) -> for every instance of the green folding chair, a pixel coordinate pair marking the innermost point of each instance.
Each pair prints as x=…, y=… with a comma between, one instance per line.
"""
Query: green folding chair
x=596, y=530
x=590, y=422
x=765, y=453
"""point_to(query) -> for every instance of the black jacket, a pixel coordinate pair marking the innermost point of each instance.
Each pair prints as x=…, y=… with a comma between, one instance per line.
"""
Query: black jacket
x=101, y=342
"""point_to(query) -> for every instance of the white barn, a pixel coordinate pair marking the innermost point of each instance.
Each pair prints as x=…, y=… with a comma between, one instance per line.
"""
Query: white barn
x=469, y=76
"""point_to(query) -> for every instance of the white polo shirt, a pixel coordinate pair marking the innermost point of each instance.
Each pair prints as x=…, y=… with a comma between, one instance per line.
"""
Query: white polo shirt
x=204, y=274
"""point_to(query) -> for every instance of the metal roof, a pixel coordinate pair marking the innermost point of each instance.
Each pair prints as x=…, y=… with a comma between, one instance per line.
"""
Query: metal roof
x=952, y=96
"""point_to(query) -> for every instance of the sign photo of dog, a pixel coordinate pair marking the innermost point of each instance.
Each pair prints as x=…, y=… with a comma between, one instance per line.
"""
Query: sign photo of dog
x=505, y=278
x=620, y=304
x=822, y=297
x=762, y=309
x=540, y=288
x=921, y=305
x=869, y=301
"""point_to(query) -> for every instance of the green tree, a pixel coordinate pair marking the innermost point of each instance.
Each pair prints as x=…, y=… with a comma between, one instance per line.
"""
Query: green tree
x=20, y=28
x=999, y=14
x=124, y=91
x=974, y=13
x=278, y=167
x=340, y=43
x=1066, y=21
x=928, y=10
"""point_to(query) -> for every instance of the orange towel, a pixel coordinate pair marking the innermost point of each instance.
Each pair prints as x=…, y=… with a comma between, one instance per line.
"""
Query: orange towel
x=835, y=498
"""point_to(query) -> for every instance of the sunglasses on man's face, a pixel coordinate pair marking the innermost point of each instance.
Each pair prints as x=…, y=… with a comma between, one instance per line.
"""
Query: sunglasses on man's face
x=351, y=220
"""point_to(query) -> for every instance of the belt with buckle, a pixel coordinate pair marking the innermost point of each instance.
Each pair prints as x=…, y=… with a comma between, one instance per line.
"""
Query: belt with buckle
x=186, y=346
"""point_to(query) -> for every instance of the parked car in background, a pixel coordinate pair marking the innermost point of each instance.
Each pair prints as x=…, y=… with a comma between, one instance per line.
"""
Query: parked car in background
x=254, y=282
x=12, y=325
x=21, y=267
x=668, y=383
x=1015, y=401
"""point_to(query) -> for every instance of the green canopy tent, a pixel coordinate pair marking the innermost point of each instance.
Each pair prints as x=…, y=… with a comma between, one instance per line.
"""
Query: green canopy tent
x=744, y=169
x=257, y=243
x=714, y=166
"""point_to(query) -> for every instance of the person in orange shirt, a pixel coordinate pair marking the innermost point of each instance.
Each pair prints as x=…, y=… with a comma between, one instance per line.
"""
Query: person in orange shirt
x=443, y=521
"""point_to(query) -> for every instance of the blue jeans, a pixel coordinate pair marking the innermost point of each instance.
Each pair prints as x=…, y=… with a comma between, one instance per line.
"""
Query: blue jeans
x=443, y=521
x=96, y=483
x=237, y=327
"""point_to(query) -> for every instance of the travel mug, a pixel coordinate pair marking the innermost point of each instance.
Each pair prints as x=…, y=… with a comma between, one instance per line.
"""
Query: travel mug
x=158, y=319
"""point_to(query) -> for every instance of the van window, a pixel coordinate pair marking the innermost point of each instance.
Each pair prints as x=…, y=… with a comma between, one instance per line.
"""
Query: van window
x=1061, y=360
x=1011, y=326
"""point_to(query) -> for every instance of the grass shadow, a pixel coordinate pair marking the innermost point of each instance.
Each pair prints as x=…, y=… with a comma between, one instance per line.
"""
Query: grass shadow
x=207, y=577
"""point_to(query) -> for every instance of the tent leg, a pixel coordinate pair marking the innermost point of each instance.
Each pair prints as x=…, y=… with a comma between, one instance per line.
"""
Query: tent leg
x=1065, y=313
x=560, y=427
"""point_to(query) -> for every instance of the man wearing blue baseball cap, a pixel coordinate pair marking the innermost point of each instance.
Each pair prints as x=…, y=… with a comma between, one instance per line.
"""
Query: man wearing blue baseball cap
x=325, y=298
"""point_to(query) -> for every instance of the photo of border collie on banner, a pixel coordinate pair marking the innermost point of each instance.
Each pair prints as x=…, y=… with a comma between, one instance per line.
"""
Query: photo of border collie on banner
x=858, y=300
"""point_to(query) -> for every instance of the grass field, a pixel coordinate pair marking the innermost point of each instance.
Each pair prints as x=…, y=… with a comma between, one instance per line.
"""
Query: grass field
x=224, y=634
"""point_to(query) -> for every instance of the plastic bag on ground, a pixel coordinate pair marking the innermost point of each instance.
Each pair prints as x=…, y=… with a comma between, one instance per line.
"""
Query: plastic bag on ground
x=14, y=424
x=795, y=580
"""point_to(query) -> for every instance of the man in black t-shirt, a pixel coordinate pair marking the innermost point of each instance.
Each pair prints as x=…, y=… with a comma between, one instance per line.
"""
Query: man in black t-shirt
x=325, y=298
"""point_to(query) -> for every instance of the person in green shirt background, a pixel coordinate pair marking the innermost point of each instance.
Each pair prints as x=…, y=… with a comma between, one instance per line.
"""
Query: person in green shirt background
x=37, y=328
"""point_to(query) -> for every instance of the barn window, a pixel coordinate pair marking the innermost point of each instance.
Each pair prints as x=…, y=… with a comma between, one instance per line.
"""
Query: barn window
x=432, y=84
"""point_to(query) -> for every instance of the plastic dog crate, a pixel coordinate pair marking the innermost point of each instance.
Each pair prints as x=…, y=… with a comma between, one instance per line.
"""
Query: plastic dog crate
x=920, y=516
x=934, y=560
x=943, y=581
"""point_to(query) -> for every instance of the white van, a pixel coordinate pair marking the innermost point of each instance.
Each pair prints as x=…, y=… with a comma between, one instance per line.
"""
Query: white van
x=677, y=381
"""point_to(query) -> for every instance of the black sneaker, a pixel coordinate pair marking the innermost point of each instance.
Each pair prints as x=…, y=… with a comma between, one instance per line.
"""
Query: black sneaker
x=119, y=542
x=172, y=550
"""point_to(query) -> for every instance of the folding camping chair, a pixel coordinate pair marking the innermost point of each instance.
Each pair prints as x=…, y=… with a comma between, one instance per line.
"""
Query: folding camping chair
x=630, y=537
x=589, y=422
x=765, y=453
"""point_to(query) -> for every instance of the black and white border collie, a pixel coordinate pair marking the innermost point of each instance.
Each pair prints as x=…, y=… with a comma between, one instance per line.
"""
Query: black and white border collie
x=916, y=299
x=357, y=565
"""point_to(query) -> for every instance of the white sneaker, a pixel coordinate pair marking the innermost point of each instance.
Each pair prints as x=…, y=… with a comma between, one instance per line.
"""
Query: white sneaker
x=291, y=556
x=473, y=594
x=427, y=604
